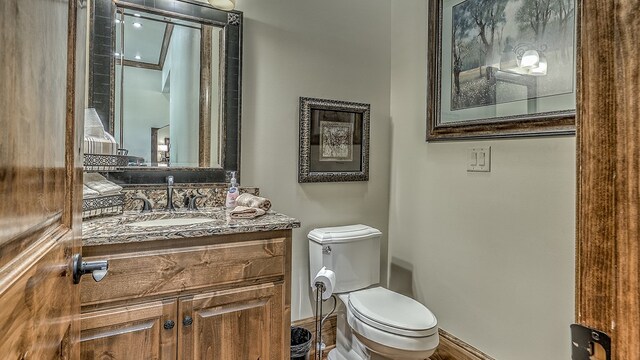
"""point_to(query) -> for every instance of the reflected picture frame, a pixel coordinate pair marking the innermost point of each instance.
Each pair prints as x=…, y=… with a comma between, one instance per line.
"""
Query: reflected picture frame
x=534, y=113
x=334, y=141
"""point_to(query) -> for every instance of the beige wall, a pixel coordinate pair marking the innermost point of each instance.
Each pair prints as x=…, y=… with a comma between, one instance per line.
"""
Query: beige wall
x=145, y=106
x=328, y=49
x=492, y=254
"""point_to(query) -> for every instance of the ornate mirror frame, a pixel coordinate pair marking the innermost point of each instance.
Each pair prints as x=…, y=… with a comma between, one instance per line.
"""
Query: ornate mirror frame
x=102, y=66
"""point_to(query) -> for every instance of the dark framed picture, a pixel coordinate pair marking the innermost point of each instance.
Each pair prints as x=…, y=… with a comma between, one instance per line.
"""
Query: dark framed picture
x=501, y=68
x=334, y=141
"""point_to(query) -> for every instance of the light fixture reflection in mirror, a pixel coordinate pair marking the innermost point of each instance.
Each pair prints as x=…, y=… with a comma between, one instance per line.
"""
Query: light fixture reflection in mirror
x=541, y=69
x=527, y=62
x=163, y=155
x=226, y=5
x=530, y=59
x=158, y=86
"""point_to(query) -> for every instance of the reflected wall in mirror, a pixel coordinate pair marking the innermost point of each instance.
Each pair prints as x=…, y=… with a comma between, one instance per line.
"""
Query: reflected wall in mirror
x=163, y=67
x=166, y=82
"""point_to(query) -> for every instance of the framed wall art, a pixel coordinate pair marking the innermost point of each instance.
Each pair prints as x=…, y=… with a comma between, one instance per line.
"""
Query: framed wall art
x=334, y=141
x=501, y=68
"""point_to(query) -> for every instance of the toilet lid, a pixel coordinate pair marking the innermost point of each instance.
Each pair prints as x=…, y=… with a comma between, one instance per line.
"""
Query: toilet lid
x=392, y=312
x=343, y=234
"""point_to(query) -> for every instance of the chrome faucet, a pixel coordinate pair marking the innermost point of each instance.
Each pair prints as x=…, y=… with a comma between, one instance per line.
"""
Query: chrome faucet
x=170, y=206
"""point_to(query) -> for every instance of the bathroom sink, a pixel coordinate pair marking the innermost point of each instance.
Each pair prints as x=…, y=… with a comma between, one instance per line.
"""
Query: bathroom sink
x=171, y=222
x=161, y=218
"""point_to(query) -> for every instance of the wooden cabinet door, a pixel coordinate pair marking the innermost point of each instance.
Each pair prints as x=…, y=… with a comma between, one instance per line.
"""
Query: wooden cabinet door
x=237, y=324
x=42, y=52
x=140, y=332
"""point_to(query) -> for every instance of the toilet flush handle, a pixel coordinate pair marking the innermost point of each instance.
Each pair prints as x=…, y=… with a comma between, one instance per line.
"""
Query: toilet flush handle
x=326, y=250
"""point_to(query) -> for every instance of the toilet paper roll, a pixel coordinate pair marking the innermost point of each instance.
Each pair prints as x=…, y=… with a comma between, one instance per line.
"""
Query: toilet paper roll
x=328, y=279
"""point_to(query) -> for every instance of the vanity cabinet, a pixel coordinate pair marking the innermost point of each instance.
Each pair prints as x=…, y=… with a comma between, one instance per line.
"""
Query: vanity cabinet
x=221, y=297
x=236, y=324
x=130, y=332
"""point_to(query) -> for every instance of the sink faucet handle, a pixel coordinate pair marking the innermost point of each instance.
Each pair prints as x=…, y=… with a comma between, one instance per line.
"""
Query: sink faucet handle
x=146, y=204
x=193, y=205
x=186, y=199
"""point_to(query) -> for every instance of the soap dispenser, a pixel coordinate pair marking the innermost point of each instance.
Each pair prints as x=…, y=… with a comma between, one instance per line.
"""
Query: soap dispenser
x=232, y=194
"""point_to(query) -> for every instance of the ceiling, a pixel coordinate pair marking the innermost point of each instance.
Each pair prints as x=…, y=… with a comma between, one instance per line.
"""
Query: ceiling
x=144, y=35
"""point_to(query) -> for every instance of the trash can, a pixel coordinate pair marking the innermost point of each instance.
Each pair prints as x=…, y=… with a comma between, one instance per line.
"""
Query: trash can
x=300, y=343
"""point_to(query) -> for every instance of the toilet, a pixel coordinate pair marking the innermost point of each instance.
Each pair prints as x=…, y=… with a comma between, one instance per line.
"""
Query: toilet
x=373, y=322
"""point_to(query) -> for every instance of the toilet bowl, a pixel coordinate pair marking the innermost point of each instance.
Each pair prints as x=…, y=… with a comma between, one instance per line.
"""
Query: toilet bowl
x=373, y=322
x=377, y=323
x=392, y=325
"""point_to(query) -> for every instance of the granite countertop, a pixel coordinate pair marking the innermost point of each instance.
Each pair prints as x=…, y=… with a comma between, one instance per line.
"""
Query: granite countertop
x=121, y=229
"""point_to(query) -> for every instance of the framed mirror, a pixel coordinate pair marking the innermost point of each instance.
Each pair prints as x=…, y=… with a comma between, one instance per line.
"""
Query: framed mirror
x=165, y=79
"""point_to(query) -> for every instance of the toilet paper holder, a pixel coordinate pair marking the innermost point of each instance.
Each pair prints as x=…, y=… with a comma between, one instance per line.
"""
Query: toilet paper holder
x=324, y=283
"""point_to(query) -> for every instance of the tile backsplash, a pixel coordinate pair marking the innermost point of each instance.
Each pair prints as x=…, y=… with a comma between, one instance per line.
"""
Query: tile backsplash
x=216, y=194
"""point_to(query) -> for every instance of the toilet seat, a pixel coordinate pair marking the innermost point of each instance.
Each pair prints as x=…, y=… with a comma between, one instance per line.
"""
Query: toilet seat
x=393, y=313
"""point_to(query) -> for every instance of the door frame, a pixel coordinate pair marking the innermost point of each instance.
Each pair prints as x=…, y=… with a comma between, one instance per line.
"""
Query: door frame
x=608, y=173
x=41, y=176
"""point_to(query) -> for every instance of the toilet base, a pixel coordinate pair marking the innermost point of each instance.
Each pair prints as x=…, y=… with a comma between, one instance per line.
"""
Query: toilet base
x=336, y=355
x=380, y=352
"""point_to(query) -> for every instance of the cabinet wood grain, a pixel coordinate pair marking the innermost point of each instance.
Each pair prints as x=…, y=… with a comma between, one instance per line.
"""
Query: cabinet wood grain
x=234, y=324
x=228, y=296
x=131, y=332
x=162, y=272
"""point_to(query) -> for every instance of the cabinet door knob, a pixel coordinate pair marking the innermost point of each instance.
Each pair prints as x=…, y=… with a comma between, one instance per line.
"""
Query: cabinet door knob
x=187, y=321
x=169, y=324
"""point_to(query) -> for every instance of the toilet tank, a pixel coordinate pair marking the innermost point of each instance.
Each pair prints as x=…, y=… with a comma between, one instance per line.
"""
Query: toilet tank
x=352, y=252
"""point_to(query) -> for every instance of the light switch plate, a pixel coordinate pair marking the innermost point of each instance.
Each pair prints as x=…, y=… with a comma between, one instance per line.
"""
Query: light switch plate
x=479, y=159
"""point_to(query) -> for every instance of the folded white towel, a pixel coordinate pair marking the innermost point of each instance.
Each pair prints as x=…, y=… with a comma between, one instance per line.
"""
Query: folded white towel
x=253, y=201
x=243, y=212
x=98, y=183
x=88, y=192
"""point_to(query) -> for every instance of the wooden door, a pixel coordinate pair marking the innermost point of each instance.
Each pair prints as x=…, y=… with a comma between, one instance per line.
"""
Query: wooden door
x=236, y=324
x=42, y=65
x=608, y=129
x=143, y=332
